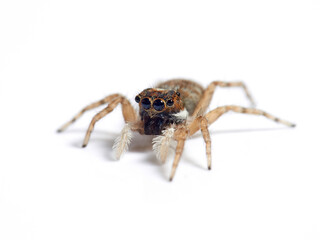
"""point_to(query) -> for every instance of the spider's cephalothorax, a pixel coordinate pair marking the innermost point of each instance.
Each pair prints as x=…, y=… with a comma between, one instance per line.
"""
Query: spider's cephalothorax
x=159, y=108
x=164, y=110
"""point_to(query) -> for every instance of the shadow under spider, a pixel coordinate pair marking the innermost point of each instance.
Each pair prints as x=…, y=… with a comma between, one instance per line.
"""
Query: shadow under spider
x=143, y=143
x=225, y=131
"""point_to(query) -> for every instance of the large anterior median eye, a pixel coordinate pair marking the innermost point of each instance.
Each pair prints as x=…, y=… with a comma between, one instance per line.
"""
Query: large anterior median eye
x=146, y=104
x=158, y=104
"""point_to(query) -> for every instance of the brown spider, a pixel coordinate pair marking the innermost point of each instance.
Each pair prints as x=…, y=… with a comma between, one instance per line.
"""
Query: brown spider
x=174, y=110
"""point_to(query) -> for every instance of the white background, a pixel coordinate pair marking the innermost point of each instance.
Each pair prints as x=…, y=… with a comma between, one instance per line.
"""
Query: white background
x=58, y=56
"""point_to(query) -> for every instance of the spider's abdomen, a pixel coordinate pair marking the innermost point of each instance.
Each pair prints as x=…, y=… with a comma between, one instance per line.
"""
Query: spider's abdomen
x=190, y=92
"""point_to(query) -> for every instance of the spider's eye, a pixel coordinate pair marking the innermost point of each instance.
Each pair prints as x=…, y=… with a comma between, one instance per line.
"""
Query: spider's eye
x=158, y=104
x=170, y=102
x=137, y=99
x=178, y=93
x=146, y=104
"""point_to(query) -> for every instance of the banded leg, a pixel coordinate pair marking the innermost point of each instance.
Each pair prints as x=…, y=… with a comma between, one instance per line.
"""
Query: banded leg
x=161, y=144
x=209, y=91
x=181, y=135
x=206, y=136
x=213, y=115
x=203, y=122
x=128, y=112
x=89, y=107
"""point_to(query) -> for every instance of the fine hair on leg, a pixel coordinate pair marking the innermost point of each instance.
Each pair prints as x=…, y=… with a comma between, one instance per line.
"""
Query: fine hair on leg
x=127, y=110
x=105, y=100
x=209, y=91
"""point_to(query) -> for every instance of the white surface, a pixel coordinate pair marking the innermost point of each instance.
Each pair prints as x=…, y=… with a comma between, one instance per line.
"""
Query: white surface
x=58, y=56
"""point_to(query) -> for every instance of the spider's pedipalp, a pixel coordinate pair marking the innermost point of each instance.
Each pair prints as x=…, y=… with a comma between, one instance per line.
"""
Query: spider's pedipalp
x=121, y=144
x=162, y=142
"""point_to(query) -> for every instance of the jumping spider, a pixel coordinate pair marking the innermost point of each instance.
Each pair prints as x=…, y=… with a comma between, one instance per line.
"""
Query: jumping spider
x=173, y=110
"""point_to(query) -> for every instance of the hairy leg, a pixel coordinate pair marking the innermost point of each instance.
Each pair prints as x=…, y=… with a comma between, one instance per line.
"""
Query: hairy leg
x=128, y=112
x=203, y=122
x=209, y=91
x=180, y=135
x=213, y=115
x=89, y=107
x=206, y=136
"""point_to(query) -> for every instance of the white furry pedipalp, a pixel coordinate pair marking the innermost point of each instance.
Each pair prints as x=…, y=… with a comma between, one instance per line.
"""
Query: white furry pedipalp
x=161, y=144
x=122, y=142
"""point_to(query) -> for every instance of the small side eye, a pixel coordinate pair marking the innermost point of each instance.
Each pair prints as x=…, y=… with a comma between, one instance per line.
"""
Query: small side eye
x=158, y=104
x=137, y=99
x=146, y=104
x=178, y=93
x=170, y=102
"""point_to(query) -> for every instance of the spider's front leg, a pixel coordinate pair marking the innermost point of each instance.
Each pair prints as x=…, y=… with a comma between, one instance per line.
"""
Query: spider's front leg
x=113, y=100
x=180, y=136
x=202, y=123
x=128, y=113
x=91, y=106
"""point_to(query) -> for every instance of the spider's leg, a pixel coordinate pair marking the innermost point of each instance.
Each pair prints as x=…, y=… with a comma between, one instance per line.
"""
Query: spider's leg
x=89, y=107
x=203, y=122
x=180, y=135
x=213, y=115
x=209, y=91
x=206, y=136
x=128, y=112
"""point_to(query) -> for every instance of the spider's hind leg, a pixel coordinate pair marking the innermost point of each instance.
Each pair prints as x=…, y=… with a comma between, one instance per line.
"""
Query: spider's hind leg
x=209, y=91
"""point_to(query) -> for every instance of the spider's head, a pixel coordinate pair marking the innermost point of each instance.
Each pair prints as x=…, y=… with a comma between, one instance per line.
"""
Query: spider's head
x=159, y=108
